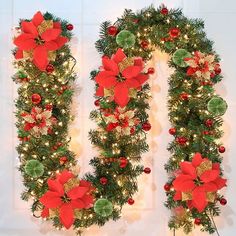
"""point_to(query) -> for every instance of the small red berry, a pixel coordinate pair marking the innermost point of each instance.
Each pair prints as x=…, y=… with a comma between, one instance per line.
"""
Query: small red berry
x=48, y=107
x=209, y=123
x=144, y=44
x=123, y=162
x=36, y=98
x=147, y=170
x=70, y=27
x=112, y=30
x=223, y=201
x=197, y=221
x=221, y=149
x=172, y=131
x=146, y=126
x=184, y=96
x=103, y=180
x=97, y=103
x=167, y=187
x=63, y=160
x=164, y=11
x=174, y=32
x=50, y=68
x=130, y=201
x=151, y=71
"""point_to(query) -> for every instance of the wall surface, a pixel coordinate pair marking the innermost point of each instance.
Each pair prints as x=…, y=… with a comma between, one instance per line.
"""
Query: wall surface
x=148, y=216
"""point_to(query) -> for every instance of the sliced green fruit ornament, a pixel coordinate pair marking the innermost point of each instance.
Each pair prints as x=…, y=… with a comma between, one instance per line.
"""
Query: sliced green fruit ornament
x=125, y=39
x=179, y=56
x=103, y=207
x=217, y=106
x=34, y=168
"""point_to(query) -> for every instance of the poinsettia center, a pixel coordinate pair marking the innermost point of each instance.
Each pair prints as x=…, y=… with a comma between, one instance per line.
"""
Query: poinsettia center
x=39, y=120
x=39, y=40
x=120, y=78
x=65, y=198
x=198, y=182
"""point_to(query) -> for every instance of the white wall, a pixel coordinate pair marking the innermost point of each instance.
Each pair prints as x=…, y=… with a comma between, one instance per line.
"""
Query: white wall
x=148, y=216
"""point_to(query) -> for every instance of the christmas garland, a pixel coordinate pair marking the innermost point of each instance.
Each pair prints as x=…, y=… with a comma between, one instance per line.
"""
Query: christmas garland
x=45, y=74
x=195, y=175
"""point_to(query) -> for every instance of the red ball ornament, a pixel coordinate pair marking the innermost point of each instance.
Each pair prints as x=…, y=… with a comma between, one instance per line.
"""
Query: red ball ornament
x=36, y=98
x=123, y=162
x=112, y=30
x=63, y=160
x=103, y=180
x=167, y=187
x=164, y=11
x=209, y=123
x=184, y=96
x=130, y=201
x=218, y=70
x=136, y=20
x=223, y=201
x=181, y=140
x=206, y=132
x=174, y=32
x=221, y=149
x=70, y=27
x=146, y=126
x=97, y=103
x=197, y=221
x=172, y=131
x=151, y=71
x=50, y=68
x=147, y=170
x=144, y=44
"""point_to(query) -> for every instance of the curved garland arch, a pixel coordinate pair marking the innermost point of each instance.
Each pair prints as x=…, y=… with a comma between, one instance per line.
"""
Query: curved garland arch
x=122, y=94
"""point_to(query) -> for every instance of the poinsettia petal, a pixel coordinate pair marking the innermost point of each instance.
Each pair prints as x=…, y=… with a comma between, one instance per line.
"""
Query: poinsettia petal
x=100, y=91
x=41, y=57
x=88, y=200
x=45, y=212
x=110, y=65
x=51, y=199
x=220, y=182
x=67, y=215
x=132, y=83
x=142, y=78
x=51, y=46
x=197, y=159
x=215, y=166
x=199, y=200
x=121, y=94
x=19, y=54
x=210, y=187
x=61, y=41
x=29, y=27
x=187, y=168
x=78, y=204
x=55, y=186
x=183, y=183
x=131, y=71
x=25, y=41
x=106, y=79
x=138, y=62
x=37, y=18
x=77, y=192
x=64, y=176
x=57, y=25
x=209, y=175
x=178, y=195
x=190, y=71
x=118, y=56
x=50, y=34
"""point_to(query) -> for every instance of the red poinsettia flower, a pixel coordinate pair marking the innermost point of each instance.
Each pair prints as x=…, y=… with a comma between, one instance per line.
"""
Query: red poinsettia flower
x=120, y=73
x=198, y=182
x=66, y=194
x=38, y=38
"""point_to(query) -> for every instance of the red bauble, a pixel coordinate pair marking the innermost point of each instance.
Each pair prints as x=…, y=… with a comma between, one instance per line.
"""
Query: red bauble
x=164, y=11
x=209, y=122
x=146, y=126
x=223, y=201
x=112, y=30
x=217, y=71
x=197, y=221
x=221, y=149
x=103, y=180
x=50, y=68
x=184, y=96
x=206, y=132
x=136, y=20
x=174, y=32
x=70, y=27
x=172, y=131
x=97, y=103
x=181, y=140
x=63, y=160
x=167, y=187
x=144, y=44
x=48, y=107
x=151, y=71
x=130, y=201
x=212, y=75
x=36, y=98
x=147, y=170
x=123, y=162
